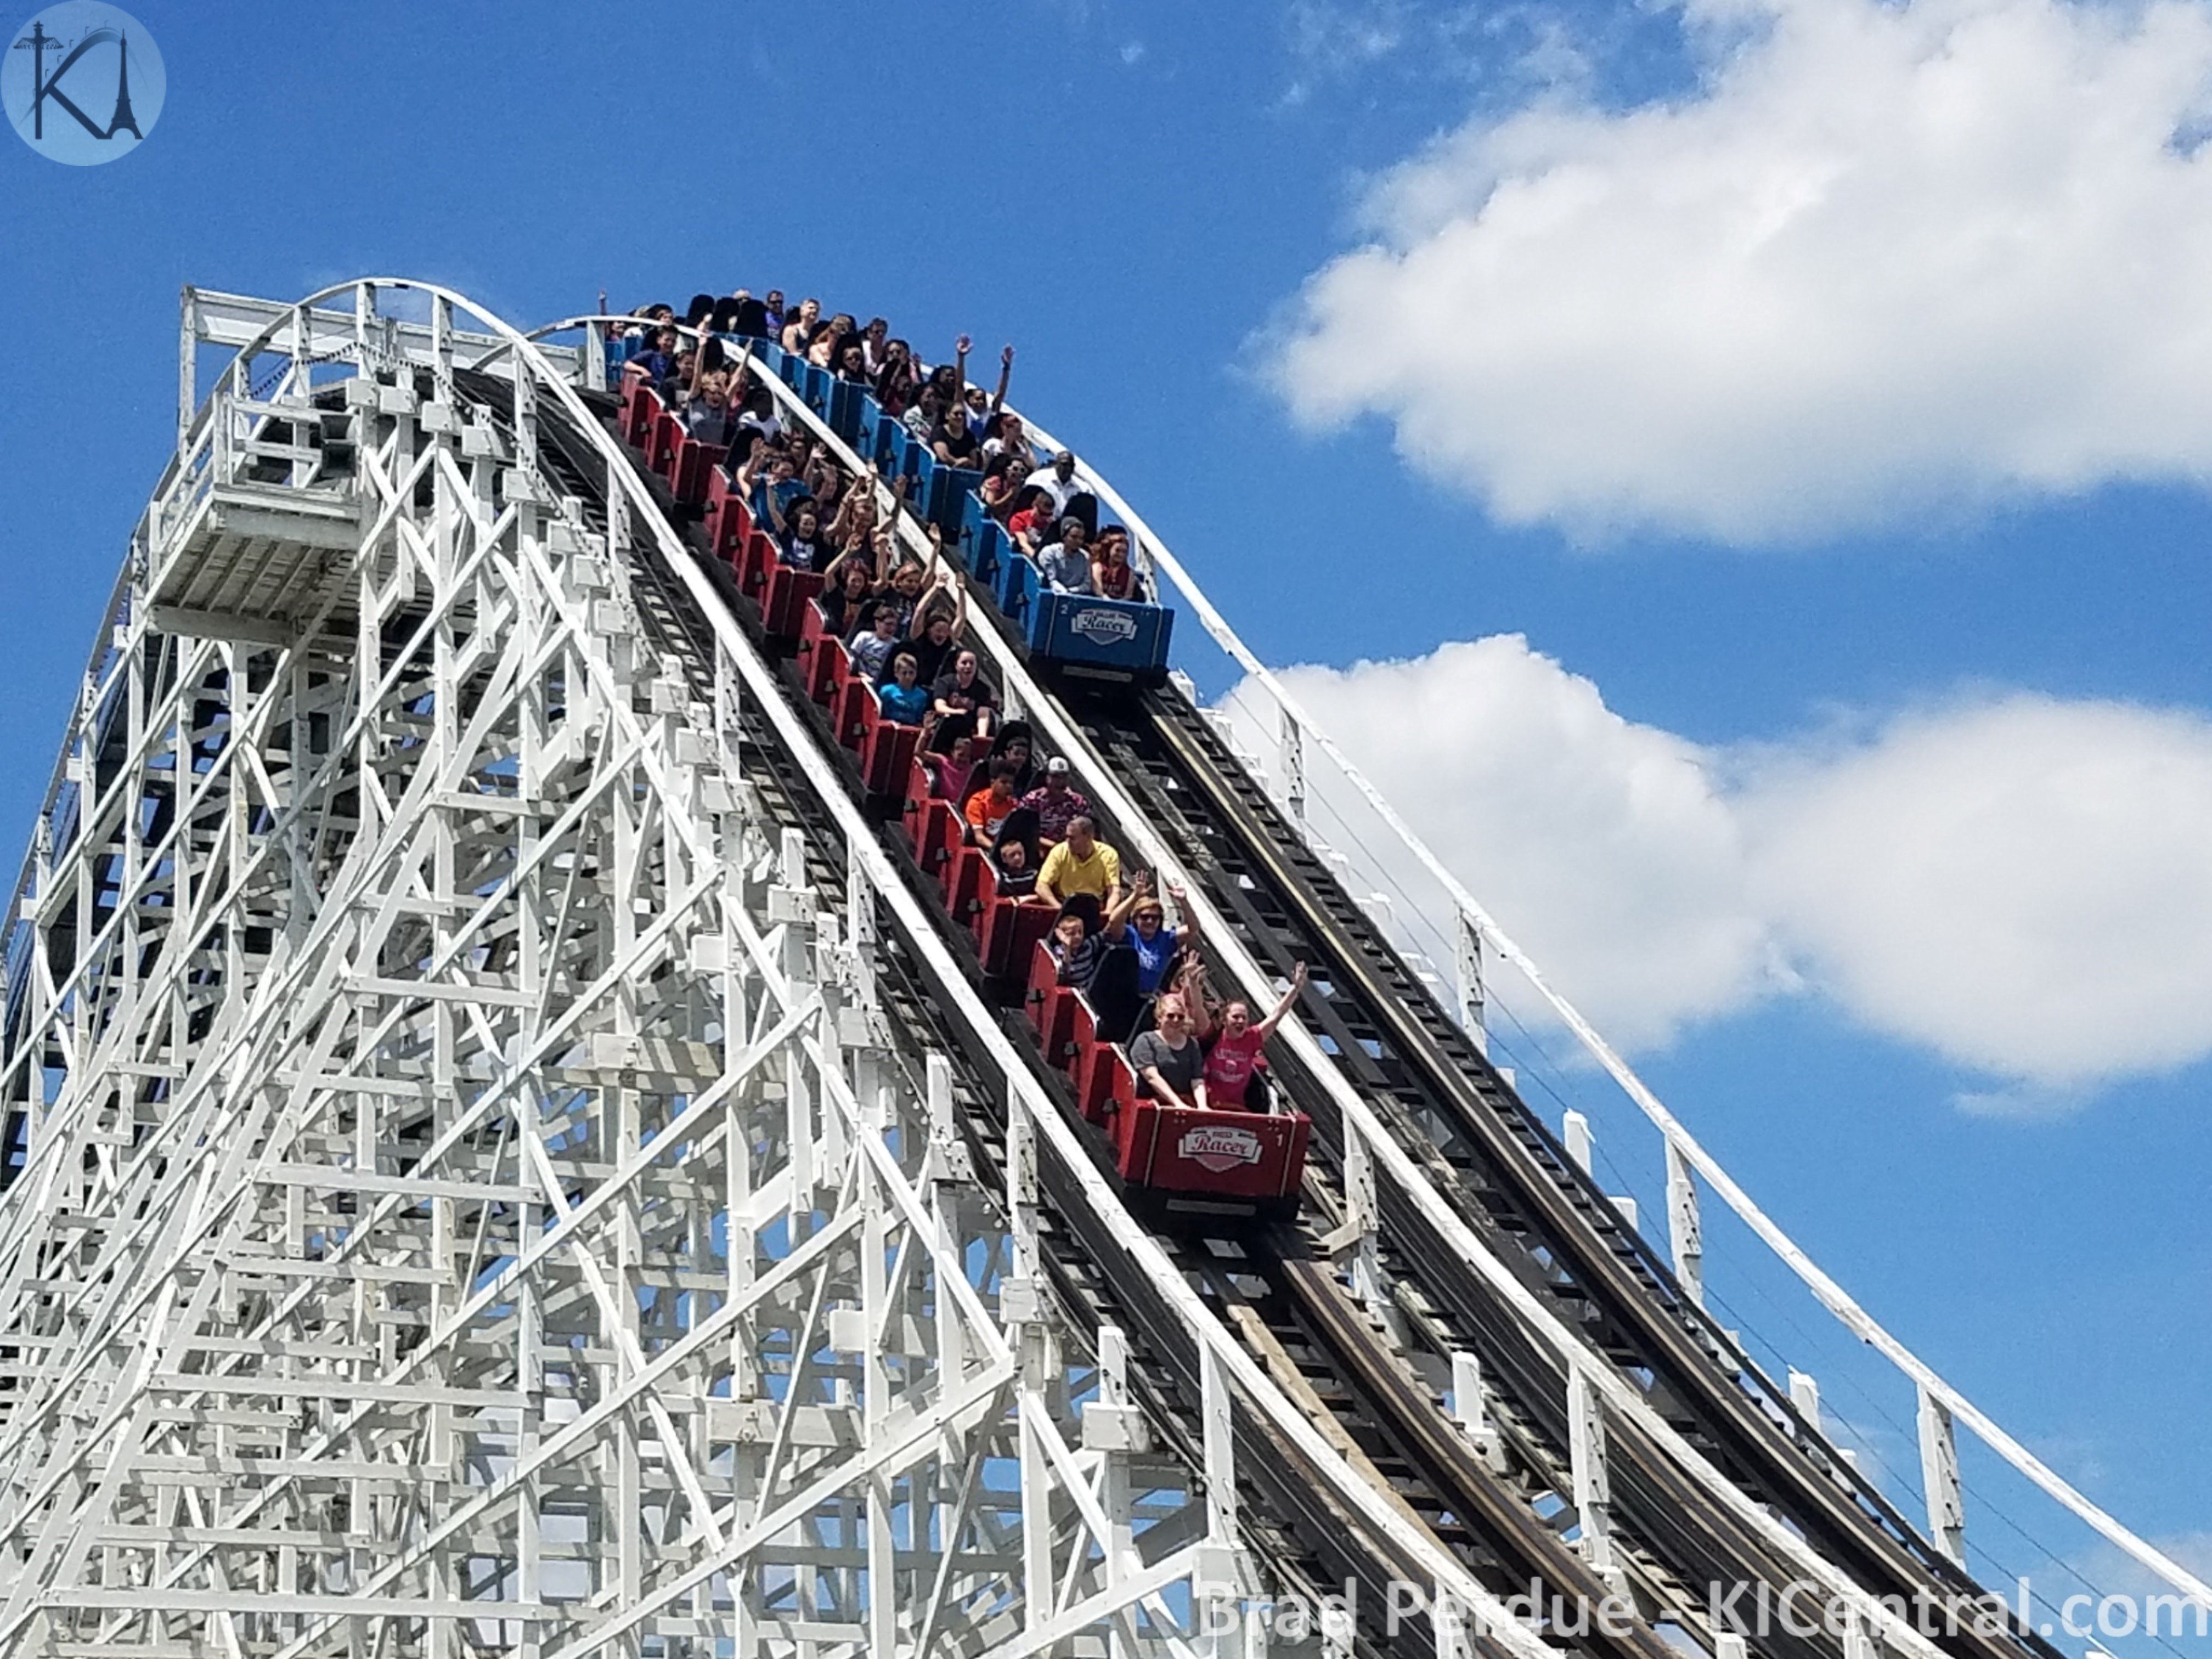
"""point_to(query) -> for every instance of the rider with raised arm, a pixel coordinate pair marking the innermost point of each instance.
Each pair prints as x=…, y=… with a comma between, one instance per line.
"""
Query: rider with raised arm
x=1231, y=1059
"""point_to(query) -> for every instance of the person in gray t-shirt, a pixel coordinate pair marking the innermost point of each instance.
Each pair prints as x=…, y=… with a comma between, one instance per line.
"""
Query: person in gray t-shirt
x=1066, y=562
x=871, y=648
x=1168, y=1060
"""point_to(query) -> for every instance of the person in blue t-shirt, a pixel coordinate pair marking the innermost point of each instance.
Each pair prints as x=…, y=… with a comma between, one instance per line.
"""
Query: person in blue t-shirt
x=1155, y=944
x=657, y=359
x=903, y=698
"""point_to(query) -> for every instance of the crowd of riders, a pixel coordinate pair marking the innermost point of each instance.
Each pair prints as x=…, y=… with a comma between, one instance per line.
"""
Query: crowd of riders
x=1134, y=950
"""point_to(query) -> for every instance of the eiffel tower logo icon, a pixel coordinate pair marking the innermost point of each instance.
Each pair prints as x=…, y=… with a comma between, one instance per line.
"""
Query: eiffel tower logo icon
x=46, y=87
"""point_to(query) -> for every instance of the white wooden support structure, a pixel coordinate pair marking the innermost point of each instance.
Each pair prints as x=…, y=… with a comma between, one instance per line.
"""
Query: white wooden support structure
x=1336, y=1632
x=1685, y=1236
x=1805, y=1395
x=1448, y=1619
x=1114, y=1428
x=1582, y=1147
x=1581, y=1143
x=1859, y=1642
x=1939, y=1478
x=1471, y=1409
x=464, y=1118
x=459, y=1107
x=1474, y=1009
x=462, y=1113
x=1592, y=1479
x=1361, y=1233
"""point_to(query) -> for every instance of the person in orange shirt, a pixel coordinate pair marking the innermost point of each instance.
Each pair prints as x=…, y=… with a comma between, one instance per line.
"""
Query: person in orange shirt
x=989, y=808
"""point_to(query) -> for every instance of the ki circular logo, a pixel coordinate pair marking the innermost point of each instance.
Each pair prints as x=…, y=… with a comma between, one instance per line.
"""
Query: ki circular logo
x=82, y=83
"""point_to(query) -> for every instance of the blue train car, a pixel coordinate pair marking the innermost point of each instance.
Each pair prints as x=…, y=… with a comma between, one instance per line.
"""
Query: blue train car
x=1128, y=636
x=1124, y=636
x=1117, y=634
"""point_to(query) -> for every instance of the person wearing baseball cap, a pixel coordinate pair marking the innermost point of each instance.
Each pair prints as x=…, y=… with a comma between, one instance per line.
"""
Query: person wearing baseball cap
x=1055, y=802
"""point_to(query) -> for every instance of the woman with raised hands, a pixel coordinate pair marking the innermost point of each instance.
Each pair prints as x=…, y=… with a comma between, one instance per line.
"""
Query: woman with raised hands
x=963, y=699
x=805, y=547
x=899, y=380
x=1232, y=1057
x=855, y=522
x=848, y=586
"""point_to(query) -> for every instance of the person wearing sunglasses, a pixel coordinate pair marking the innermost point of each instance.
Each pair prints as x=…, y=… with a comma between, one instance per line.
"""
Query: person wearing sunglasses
x=1156, y=942
x=1168, y=1060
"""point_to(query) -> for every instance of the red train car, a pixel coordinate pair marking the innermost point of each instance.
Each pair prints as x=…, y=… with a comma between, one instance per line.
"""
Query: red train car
x=1176, y=1160
x=1172, y=1160
x=1212, y=1161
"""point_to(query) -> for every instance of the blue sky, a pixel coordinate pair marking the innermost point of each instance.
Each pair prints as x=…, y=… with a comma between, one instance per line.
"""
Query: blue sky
x=1756, y=594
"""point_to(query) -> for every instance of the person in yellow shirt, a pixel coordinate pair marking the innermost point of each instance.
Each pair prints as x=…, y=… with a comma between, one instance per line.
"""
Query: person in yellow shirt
x=1083, y=871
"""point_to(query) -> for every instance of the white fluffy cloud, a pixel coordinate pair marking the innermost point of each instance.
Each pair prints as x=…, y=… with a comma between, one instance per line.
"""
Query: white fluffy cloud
x=2026, y=885
x=1620, y=859
x=2022, y=885
x=1888, y=257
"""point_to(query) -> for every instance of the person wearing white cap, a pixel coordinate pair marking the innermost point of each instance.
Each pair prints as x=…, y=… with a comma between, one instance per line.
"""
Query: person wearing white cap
x=1055, y=802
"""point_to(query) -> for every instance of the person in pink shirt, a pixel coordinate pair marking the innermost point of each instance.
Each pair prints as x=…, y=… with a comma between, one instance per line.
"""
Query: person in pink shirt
x=1234, y=1052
